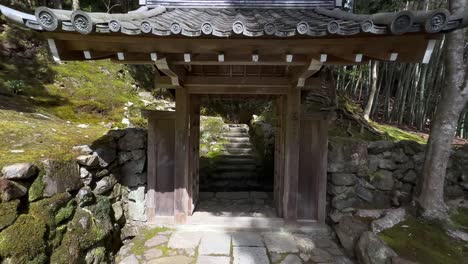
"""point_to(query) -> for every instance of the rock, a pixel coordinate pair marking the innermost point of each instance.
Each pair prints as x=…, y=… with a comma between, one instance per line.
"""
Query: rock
x=184, y=240
x=106, y=156
x=304, y=243
x=320, y=255
x=410, y=177
x=390, y=219
x=348, y=230
x=130, y=260
x=156, y=241
x=96, y=255
x=344, y=200
x=374, y=161
x=132, y=168
x=101, y=174
x=136, y=204
x=214, y=260
x=369, y=213
x=305, y=257
x=215, y=243
x=399, y=156
x=118, y=211
x=172, y=260
x=343, y=179
x=419, y=158
x=105, y=184
x=134, y=180
x=10, y=190
x=337, y=190
x=153, y=253
x=383, y=180
x=19, y=171
x=387, y=164
x=124, y=156
x=138, y=154
x=280, y=243
x=291, y=259
x=246, y=239
x=88, y=160
x=347, y=155
x=133, y=139
x=83, y=149
x=8, y=213
x=60, y=176
x=84, y=173
x=85, y=196
x=250, y=255
x=129, y=232
x=371, y=250
x=364, y=194
x=377, y=147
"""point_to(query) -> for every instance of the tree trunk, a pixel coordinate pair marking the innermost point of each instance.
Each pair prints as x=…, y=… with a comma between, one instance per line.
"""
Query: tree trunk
x=370, y=100
x=58, y=4
x=444, y=126
x=76, y=5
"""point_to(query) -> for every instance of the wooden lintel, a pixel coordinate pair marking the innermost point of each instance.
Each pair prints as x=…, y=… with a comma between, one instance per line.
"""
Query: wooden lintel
x=238, y=59
x=242, y=82
x=237, y=90
x=176, y=75
x=301, y=78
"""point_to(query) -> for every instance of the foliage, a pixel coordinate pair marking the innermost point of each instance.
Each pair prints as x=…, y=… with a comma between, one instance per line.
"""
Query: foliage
x=424, y=243
x=15, y=86
x=211, y=129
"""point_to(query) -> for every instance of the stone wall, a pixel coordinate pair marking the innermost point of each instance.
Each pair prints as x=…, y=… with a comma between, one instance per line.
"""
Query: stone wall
x=382, y=174
x=74, y=211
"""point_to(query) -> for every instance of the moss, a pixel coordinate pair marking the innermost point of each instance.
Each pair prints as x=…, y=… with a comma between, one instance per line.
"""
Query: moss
x=37, y=188
x=65, y=213
x=139, y=243
x=8, y=213
x=424, y=243
x=46, y=209
x=28, y=243
x=460, y=218
x=396, y=134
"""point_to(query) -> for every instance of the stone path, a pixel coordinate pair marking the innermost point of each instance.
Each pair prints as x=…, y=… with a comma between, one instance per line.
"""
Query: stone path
x=233, y=204
x=243, y=247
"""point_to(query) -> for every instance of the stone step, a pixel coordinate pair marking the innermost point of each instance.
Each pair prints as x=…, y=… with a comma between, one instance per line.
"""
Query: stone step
x=236, y=161
x=238, y=151
x=238, y=145
x=237, y=139
x=236, y=168
x=238, y=129
x=235, y=156
x=235, y=135
x=233, y=175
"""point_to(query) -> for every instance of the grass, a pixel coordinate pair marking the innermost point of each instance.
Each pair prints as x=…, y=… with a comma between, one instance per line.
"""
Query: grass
x=460, y=218
x=425, y=243
x=41, y=138
x=139, y=242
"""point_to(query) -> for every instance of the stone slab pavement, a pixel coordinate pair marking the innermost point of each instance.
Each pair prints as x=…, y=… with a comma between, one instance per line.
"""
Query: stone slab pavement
x=210, y=247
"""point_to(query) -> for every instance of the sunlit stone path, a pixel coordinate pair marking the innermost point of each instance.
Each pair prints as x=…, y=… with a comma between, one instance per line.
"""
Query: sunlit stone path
x=160, y=246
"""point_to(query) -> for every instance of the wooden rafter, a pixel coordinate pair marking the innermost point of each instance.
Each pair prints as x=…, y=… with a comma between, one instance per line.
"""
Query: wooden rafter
x=301, y=78
x=176, y=75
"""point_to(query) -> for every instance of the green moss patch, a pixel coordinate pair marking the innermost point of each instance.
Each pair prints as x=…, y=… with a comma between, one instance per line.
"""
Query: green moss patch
x=396, y=134
x=8, y=213
x=424, y=243
x=460, y=218
x=37, y=188
x=24, y=240
x=46, y=209
x=139, y=242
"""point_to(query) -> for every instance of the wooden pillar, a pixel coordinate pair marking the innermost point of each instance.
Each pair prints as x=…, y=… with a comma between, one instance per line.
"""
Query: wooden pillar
x=292, y=139
x=160, y=174
x=194, y=149
x=182, y=133
x=279, y=153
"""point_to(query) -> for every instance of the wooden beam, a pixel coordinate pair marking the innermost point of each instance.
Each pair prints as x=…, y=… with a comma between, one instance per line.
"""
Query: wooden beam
x=237, y=90
x=181, y=181
x=239, y=59
x=314, y=67
x=175, y=75
x=429, y=51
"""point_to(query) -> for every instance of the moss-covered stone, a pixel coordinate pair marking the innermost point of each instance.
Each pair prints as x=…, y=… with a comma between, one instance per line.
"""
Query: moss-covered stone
x=46, y=209
x=65, y=213
x=37, y=189
x=90, y=227
x=424, y=243
x=8, y=213
x=60, y=176
x=24, y=240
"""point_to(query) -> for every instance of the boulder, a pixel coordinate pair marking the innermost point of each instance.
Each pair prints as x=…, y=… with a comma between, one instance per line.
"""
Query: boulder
x=83, y=149
x=136, y=204
x=105, y=184
x=389, y=220
x=347, y=155
x=88, y=160
x=134, y=180
x=387, y=164
x=364, y=194
x=377, y=147
x=374, y=161
x=10, y=190
x=410, y=176
x=348, y=230
x=383, y=180
x=370, y=249
x=60, y=176
x=19, y=171
x=337, y=190
x=132, y=168
x=304, y=243
x=85, y=196
x=8, y=213
x=133, y=139
x=118, y=211
x=343, y=179
x=399, y=156
x=344, y=200
x=84, y=173
x=369, y=213
x=106, y=156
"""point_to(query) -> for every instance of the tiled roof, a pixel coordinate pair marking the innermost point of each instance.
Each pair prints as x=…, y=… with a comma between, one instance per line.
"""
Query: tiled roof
x=235, y=22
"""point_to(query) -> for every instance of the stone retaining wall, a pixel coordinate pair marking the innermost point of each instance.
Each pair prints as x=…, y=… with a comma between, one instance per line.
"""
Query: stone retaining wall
x=382, y=174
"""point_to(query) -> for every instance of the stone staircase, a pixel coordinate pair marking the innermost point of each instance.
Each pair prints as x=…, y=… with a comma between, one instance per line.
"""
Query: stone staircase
x=236, y=168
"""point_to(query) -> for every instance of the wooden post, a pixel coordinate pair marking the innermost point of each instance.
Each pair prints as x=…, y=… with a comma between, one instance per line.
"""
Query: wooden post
x=292, y=139
x=279, y=153
x=181, y=200
x=194, y=149
x=160, y=177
